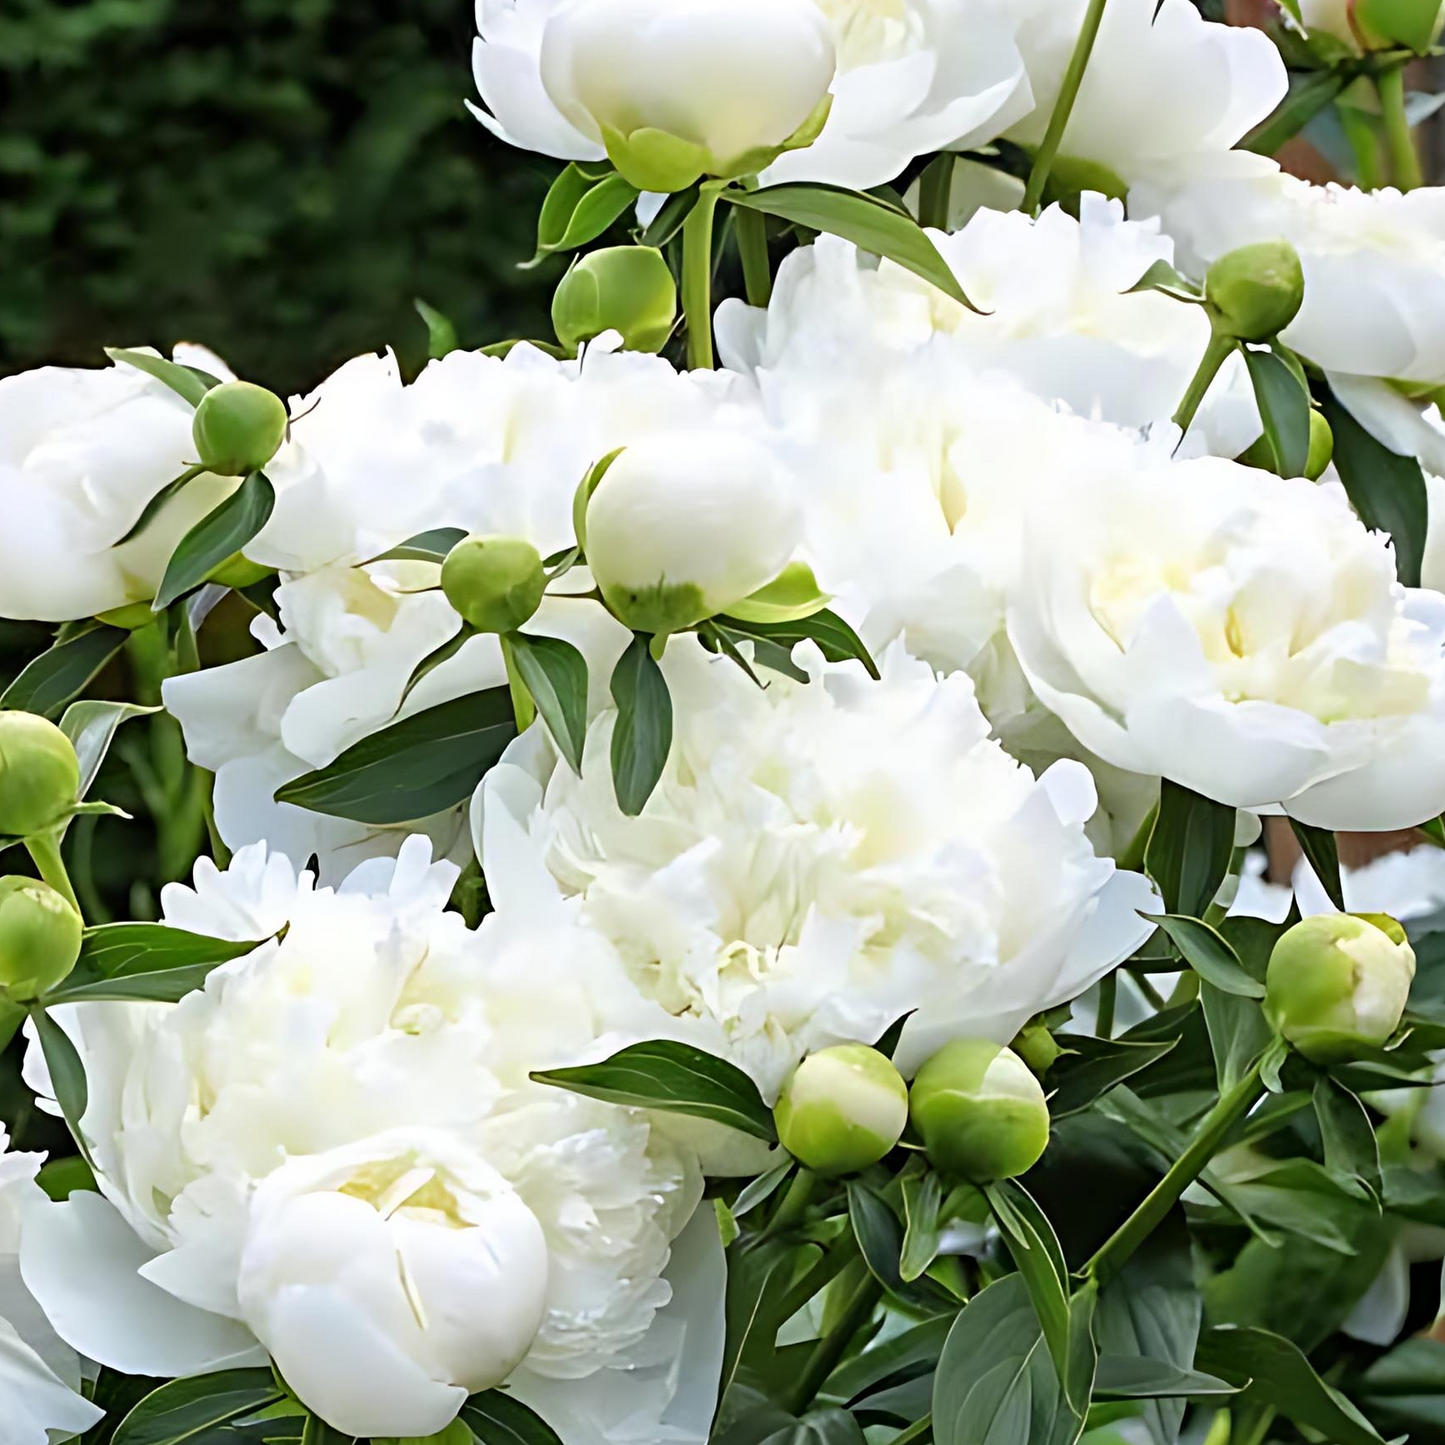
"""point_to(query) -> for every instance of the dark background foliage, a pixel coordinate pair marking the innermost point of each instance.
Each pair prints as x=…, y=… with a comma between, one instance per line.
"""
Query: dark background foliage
x=277, y=178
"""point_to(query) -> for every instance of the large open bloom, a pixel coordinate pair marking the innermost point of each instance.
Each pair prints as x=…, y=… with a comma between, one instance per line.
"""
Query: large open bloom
x=1240, y=633
x=266, y=1147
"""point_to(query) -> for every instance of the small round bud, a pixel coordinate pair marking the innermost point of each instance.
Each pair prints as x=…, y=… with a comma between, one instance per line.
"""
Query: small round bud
x=981, y=1112
x=628, y=289
x=1322, y=447
x=1338, y=983
x=39, y=775
x=1257, y=290
x=39, y=937
x=843, y=1109
x=238, y=428
x=496, y=583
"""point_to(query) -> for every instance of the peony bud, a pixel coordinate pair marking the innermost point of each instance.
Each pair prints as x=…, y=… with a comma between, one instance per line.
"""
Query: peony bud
x=238, y=428
x=683, y=525
x=1405, y=24
x=843, y=1109
x=39, y=775
x=1322, y=447
x=39, y=937
x=981, y=1112
x=496, y=583
x=628, y=289
x=674, y=92
x=1256, y=290
x=391, y=1278
x=1338, y=983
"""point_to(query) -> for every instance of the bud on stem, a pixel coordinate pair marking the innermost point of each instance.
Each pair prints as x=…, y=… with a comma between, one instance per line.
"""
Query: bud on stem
x=843, y=1109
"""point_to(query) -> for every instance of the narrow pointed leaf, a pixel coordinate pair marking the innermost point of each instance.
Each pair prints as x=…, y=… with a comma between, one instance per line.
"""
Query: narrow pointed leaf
x=1207, y=952
x=220, y=534
x=555, y=673
x=46, y=683
x=185, y=381
x=642, y=734
x=1284, y=407
x=188, y=1412
x=1322, y=850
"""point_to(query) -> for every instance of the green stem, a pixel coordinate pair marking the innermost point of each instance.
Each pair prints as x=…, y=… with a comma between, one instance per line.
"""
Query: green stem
x=1399, y=142
x=918, y=1430
x=1363, y=136
x=794, y=1202
x=44, y=849
x=1108, y=998
x=1152, y=996
x=832, y=1347
x=1213, y=1129
x=752, y=233
x=935, y=190
x=1063, y=106
x=697, y=277
x=1219, y=350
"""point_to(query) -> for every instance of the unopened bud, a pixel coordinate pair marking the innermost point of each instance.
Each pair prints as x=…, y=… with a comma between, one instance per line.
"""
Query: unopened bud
x=496, y=583
x=39, y=937
x=238, y=428
x=627, y=289
x=843, y=1109
x=1338, y=983
x=1257, y=290
x=39, y=775
x=981, y=1112
x=1321, y=450
x=1406, y=24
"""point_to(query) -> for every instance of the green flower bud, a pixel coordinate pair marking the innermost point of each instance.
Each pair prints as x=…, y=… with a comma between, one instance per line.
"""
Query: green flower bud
x=238, y=428
x=1338, y=983
x=496, y=583
x=843, y=1109
x=1322, y=447
x=628, y=289
x=1256, y=291
x=39, y=775
x=1406, y=24
x=981, y=1112
x=39, y=937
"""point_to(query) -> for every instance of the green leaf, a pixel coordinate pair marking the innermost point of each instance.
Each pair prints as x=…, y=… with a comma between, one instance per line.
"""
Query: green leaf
x=317, y=1432
x=46, y=683
x=157, y=503
x=1351, y=1149
x=792, y=595
x=581, y=204
x=922, y=1197
x=880, y=1239
x=443, y=652
x=1284, y=408
x=1387, y=490
x=828, y=1426
x=128, y=961
x=497, y=1418
x=1189, y=849
x=676, y=1078
x=1307, y=97
x=1161, y=276
x=424, y=764
x=756, y=1191
x=758, y=1274
x=836, y=641
x=90, y=726
x=185, y=1412
x=1206, y=951
x=185, y=381
x=642, y=734
x=67, y=1073
x=1088, y=1068
x=555, y=673
x=1274, y=1372
x=995, y=1383
x=220, y=534
x=1133, y=1377
x=1238, y=1033
x=870, y=224
x=1322, y=850
x=431, y=546
x=440, y=332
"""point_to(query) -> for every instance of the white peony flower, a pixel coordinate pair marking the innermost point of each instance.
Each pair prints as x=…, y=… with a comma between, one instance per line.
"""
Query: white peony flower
x=912, y=77
x=819, y=860
x=379, y=1042
x=1165, y=91
x=81, y=453
x=1240, y=633
x=39, y=1373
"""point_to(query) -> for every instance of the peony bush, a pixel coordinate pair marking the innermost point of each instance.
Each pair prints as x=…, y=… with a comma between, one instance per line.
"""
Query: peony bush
x=747, y=894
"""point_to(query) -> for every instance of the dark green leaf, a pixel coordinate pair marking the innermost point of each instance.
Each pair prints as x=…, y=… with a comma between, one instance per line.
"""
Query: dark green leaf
x=220, y=534
x=441, y=334
x=996, y=1384
x=317, y=1432
x=756, y=1191
x=759, y=1271
x=154, y=961
x=819, y=1427
x=188, y=1410
x=1133, y=1377
x=1161, y=276
x=90, y=726
x=922, y=1197
x=157, y=503
x=185, y=381
x=431, y=546
x=1238, y=1033
x=421, y=765
x=49, y=681
x=1208, y=954
x=555, y=673
x=674, y=1077
x=1387, y=490
x=1351, y=1150
x=1089, y=1067
x=1284, y=408
x=1274, y=1372
x=444, y=652
x=1307, y=97
x=836, y=640
x=497, y=1418
x=1323, y=852
x=1189, y=849
x=879, y=1233
x=582, y=203
x=870, y=224
x=67, y=1073
x=642, y=734
x=910, y=1355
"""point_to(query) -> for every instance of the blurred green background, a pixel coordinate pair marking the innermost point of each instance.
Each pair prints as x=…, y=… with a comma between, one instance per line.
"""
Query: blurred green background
x=276, y=178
